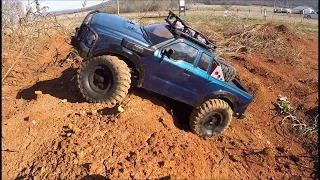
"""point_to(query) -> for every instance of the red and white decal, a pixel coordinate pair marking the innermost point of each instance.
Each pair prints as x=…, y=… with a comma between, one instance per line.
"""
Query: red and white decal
x=217, y=72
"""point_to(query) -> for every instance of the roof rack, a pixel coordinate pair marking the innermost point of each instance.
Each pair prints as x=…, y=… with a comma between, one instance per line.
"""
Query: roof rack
x=183, y=29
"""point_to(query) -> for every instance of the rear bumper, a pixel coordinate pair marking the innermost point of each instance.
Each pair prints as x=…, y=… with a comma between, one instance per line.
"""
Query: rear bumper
x=243, y=103
x=241, y=116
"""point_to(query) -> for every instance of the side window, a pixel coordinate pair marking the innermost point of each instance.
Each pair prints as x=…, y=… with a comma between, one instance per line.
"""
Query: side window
x=204, y=62
x=183, y=51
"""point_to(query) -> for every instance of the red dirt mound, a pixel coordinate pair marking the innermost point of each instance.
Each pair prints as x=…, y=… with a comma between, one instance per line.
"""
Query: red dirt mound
x=56, y=135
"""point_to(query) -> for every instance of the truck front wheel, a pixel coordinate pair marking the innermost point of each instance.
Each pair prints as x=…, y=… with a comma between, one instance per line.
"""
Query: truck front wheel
x=211, y=118
x=104, y=79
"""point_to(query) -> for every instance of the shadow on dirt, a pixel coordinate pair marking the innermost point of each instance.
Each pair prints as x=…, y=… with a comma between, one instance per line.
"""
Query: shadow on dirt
x=99, y=177
x=63, y=87
x=94, y=177
x=179, y=111
x=313, y=112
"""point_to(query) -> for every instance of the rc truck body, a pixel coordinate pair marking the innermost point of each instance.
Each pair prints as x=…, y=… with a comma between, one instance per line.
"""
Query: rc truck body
x=171, y=59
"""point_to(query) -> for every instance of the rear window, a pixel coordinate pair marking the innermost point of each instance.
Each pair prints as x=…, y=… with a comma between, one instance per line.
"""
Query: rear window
x=204, y=62
x=158, y=33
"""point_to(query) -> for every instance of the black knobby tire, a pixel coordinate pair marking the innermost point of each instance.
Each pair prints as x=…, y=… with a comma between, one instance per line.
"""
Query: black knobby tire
x=229, y=72
x=104, y=79
x=211, y=118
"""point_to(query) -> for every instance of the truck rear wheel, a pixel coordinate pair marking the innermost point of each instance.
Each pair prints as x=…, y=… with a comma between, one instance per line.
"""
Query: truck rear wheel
x=104, y=79
x=211, y=118
x=229, y=72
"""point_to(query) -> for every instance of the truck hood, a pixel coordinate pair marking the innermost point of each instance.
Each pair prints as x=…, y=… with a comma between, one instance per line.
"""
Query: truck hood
x=123, y=28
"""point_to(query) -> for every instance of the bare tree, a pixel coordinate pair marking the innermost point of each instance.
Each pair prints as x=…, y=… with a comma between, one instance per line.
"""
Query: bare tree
x=40, y=8
x=11, y=11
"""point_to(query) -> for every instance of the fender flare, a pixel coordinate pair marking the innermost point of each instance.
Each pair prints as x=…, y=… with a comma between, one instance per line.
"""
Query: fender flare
x=221, y=94
x=114, y=49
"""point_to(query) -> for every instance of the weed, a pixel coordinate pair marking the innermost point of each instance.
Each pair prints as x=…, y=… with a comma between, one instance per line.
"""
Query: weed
x=283, y=106
x=297, y=125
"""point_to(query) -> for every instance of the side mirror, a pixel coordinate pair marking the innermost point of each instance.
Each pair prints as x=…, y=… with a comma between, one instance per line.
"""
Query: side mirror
x=167, y=53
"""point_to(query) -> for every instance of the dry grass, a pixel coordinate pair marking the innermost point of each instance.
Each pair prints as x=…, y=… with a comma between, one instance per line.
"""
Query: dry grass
x=233, y=34
x=301, y=126
x=297, y=125
x=237, y=34
x=25, y=40
x=268, y=39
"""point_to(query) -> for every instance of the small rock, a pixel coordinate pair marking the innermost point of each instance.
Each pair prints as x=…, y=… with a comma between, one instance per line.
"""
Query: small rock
x=38, y=92
x=267, y=151
x=168, y=164
x=287, y=166
x=294, y=158
x=161, y=163
x=220, y=138
x=161, y=119
x=43, y=169
x=171, y=112
x=94, y=112
x=69, y=134
x=234, y=158
x=76, y=130
x=81, y=154
x=132, y=157
x=70, y=126
x=175, y=154
x=82, y=113
x=280, y=149
x=283, y=98
x=33, y=116
x=120, y=108
x=223, y=160
x=64, y=100
x=33, y=122
x=72, y=114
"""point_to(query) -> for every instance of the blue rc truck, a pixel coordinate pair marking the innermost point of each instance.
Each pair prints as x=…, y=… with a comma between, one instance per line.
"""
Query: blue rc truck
x=171, y=59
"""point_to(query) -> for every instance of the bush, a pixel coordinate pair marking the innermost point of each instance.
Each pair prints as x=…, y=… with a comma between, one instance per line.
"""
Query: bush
x=11, y=12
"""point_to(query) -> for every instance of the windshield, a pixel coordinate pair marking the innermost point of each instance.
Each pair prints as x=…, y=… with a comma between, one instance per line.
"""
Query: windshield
x=158, y=33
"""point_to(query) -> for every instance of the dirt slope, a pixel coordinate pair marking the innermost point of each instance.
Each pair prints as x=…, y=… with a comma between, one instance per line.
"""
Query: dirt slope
x=45, y=137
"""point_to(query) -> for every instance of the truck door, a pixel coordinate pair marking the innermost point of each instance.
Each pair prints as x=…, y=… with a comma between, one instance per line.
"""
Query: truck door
x=174, y=75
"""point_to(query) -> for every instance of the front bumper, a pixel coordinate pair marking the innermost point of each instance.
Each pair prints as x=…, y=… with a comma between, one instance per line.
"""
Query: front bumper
x=80, y=40
x=82, y=49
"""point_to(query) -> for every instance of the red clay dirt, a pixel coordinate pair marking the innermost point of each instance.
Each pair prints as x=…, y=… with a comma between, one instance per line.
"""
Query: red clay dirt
x=46, y=137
